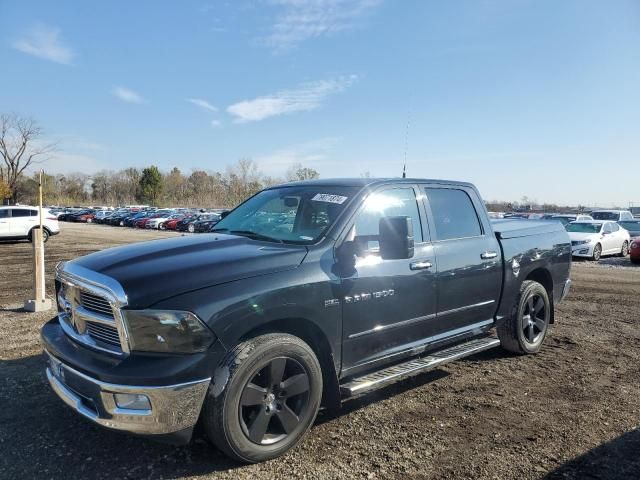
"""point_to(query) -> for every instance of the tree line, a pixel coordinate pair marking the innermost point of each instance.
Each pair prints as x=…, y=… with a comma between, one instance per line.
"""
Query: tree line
x=21, y=147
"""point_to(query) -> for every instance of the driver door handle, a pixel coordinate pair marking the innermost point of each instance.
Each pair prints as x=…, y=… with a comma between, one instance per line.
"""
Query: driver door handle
x=488, y=255
x=420, y=265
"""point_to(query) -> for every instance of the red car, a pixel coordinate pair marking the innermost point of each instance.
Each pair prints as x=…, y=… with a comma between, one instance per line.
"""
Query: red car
x=87, y=217
x=171, y=224
x=634, y=250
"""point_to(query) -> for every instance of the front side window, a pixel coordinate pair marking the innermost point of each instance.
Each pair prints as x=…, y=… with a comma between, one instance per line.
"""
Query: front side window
x=607, y=228
x=454, y=215
x=4, y=213
x=386, y=203
x=614, y=227
x=296, y=214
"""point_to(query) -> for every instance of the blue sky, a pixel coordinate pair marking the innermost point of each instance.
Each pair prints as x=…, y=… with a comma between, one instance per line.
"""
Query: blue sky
x=536, y=98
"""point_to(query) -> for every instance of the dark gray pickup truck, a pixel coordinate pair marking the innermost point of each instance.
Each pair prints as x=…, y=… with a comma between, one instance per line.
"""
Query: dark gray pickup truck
x=305, y=294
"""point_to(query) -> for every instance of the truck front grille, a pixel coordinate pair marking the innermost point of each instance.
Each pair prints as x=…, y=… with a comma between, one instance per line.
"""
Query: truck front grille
x=104, y=333
x=96, y=304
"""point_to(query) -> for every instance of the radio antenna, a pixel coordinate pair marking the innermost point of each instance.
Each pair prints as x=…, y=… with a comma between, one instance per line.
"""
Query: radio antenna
x=406, y=144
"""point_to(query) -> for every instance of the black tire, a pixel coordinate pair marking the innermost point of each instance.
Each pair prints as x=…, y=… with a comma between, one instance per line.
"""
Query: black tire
x=597, y=252
x=520, y=333
x=625, y=249
x=635, y=261
x=45, y=235
x=249, y=418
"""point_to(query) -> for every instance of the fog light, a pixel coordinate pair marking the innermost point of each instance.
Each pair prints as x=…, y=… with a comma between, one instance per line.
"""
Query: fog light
x=132, y=401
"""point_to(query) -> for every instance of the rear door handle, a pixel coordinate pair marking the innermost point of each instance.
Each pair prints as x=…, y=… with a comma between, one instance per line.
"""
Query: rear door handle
x=488, y=255
x=421, y=265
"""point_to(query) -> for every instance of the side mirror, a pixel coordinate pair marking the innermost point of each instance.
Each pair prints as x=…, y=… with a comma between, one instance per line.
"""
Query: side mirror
x=396, y=238
x=224, y=214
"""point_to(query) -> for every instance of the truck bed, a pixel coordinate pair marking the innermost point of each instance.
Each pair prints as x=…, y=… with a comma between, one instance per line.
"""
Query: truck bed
x=514, y=228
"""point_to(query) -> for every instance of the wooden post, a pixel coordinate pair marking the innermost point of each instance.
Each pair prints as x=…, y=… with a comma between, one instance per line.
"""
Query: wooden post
x=40, y=301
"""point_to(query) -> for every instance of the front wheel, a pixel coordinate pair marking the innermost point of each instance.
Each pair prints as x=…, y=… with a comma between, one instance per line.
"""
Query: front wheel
x=268, y=401
x=525, y=329
x=625, y=249
x=597, y=252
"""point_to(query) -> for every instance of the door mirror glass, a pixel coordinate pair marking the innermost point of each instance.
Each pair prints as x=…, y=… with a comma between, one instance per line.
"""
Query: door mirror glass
x=396, y=238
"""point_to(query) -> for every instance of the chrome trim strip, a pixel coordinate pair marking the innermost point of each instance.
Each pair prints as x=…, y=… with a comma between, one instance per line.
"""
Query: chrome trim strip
x=382, y=328
x=185, y=398
x=466, y=307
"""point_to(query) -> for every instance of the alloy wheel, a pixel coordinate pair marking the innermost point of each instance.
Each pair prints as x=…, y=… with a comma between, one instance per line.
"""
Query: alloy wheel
x=534, y=321
x=274, y=401
x=597, y=252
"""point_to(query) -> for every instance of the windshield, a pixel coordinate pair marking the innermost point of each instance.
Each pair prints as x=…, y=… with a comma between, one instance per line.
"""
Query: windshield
x=288, y=214
x=605, y=215
x=584, y=227
x=631, y=226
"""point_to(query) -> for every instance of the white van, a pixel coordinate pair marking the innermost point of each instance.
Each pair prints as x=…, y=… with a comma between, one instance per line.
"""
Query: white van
x=17, y=222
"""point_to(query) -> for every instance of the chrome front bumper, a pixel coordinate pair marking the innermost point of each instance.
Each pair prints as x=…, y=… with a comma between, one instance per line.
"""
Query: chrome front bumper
x=172, y=408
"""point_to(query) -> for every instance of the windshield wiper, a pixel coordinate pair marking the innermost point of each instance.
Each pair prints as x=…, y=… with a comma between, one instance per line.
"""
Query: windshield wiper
x=250, y=234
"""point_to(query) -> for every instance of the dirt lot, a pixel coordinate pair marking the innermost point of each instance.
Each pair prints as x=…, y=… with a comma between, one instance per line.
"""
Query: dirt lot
x=573, y=411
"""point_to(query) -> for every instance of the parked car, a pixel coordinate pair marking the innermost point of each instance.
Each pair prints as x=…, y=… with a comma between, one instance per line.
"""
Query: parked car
x=172, y=223
x=102, y=215
x=352, y=286
x=596, y=238
x=187, y=224
x=634, y=250
x=567, y=218
x=631, y=226
x=206, y=222
x=18, y=222
x=614, y=215
x=158, y=219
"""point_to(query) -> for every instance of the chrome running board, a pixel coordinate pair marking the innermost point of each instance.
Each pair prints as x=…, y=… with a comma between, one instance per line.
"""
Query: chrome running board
x=392, y=374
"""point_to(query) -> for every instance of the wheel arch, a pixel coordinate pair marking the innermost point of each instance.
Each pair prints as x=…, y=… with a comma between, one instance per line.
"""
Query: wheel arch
x=544, y=278
x=313, y=336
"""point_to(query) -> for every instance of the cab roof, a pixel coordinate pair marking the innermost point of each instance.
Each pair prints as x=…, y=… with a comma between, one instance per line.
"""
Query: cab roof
x=367, y=182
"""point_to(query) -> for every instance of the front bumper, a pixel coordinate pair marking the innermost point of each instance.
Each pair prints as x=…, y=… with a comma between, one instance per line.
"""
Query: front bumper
x=584, y=250
x=173, y=408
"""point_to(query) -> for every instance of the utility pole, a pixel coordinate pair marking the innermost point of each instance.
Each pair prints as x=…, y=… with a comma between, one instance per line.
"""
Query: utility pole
x=40, y=302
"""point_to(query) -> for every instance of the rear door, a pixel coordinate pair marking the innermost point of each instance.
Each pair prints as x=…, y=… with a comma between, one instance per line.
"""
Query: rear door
x=468, y=256
x=22, y=221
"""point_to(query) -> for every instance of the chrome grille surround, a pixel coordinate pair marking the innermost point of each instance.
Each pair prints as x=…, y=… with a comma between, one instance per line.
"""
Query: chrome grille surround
x=89, y=309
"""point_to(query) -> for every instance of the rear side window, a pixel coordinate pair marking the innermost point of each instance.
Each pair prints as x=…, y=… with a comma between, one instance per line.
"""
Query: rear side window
x=614, y=227
x=454, y=215
x=20, y=212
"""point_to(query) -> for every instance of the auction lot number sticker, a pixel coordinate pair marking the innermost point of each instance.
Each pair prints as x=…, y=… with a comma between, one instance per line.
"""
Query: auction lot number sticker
x=327, y=197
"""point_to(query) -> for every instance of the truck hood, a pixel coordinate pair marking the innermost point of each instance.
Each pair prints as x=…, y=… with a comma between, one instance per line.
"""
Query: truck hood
x=153, y=271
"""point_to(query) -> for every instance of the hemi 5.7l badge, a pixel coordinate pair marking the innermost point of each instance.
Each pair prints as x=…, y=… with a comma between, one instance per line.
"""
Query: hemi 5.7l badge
x=332, y=302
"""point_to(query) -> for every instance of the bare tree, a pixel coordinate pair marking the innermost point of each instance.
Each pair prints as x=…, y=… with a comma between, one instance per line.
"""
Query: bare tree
x=20, y=147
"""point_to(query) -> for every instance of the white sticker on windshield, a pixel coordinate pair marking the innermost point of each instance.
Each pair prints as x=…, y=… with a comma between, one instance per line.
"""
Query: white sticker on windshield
x=326, y=197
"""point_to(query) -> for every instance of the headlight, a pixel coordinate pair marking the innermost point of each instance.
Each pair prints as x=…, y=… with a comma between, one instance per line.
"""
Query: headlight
x=167, y=331
x=582, y=242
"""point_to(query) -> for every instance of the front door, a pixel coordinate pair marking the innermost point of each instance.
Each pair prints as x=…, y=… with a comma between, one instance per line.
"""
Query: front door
x=4, y=222
x=469, y=273
x=387, y=304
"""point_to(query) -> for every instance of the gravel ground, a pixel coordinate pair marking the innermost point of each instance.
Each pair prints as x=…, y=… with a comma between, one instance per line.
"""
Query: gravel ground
x=572, y=411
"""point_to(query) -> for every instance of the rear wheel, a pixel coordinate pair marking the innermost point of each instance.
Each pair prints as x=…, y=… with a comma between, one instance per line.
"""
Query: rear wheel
x=525, y=329
x=625, y=249
x=45, y=235
x=191, y=228
x=269, y=399
x=597, y=252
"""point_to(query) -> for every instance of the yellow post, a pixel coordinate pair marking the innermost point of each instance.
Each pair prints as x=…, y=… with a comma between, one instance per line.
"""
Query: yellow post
x=40, y=302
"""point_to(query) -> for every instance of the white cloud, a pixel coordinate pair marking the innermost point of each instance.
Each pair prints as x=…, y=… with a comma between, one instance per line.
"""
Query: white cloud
x=216, y=123
x=199, y=102
x=306, y=97
x=314, y=154
x=301, y=20
x=44, y=42
x=127, y=95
